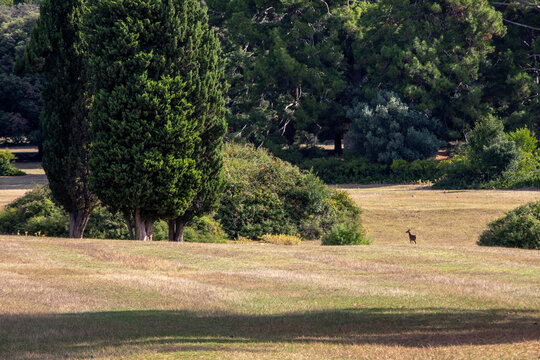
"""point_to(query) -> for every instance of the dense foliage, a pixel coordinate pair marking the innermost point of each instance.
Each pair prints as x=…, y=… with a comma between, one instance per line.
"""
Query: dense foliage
x=520, y=228
x=429, y=52
x=264, y=195
x=285, y=67
x=386, y=129
x=494, y=159
x=37, y=214
x=345, y=234
x=6, y=167
x=57, y=50
x=511, y=74
x=157, y=83
x=20, y=102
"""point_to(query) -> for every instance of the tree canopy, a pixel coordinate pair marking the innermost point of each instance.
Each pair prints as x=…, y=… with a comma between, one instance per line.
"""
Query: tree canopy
x=20, y=102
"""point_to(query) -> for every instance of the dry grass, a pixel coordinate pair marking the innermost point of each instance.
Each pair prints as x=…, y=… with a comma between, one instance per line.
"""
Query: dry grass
x=442, y=299
x=119, y=299
x=437, y=217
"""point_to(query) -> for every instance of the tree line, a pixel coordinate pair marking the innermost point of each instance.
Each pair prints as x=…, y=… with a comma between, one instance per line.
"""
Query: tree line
x=132, y=109
x=294, y=67
x=134, y=100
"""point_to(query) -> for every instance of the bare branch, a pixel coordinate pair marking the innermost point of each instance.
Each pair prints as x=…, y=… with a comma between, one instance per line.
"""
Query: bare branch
x=522, y=25
x=519, y=3
x=327, y=7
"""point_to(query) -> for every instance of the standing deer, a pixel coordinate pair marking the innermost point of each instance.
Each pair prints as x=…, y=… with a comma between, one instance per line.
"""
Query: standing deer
x=412, y=238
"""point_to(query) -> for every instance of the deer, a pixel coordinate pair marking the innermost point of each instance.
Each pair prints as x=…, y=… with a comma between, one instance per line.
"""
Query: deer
x=412, y=238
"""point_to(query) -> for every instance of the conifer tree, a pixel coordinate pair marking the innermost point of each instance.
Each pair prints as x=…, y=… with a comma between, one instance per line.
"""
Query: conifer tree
x=57, y=50
x=158, y=90
x=429, y=52
x=285, y=67
x=208, y=103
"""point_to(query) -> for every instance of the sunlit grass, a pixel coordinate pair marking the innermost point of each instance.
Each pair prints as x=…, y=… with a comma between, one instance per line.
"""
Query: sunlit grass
x=122, y=299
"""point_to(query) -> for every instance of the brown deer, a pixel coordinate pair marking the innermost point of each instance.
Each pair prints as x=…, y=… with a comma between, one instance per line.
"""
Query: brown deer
x=412, y=238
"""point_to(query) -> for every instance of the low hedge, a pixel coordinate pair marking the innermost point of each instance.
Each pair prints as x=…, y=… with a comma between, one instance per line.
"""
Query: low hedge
x=360, y=170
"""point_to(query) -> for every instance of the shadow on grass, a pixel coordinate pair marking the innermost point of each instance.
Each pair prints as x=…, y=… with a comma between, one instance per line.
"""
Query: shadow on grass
x=69, y=335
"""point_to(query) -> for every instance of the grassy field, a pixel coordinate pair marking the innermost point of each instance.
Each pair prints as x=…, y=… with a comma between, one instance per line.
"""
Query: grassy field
x=127, y=300
x=445, y=298
x=437, y=217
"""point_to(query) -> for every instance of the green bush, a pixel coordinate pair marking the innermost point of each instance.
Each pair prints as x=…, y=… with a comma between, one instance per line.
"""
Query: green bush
x=37, y=213
x=345, y=234
x=387, y=129
x=494, y=159
x=265, y=195
x=205, y=230
x=520, y=228
x=6, y=167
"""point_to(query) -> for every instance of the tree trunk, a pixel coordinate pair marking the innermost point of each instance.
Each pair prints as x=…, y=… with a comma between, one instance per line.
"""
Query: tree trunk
x=77, y=223
x=176, y=230
x=179, y=236
x=144, y=229
x=129, y=224
x=172, y=230
x=338, y=145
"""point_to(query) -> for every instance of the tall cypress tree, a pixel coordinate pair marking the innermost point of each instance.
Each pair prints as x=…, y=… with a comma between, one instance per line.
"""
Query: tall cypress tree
x=207, y=97
x=152, y=105
x=57, y=50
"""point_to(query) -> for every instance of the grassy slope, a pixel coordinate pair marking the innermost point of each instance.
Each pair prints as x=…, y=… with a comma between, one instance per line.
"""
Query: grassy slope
x=119, y=299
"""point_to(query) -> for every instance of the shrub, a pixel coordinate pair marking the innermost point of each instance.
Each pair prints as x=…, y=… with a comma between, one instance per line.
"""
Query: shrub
x=281, y=239
x=387, y=129
x=494, y=159
x=345, y=234
x=32, y=213
x=6, y=167
x=490, y=149
x=264, y=195
x=37, y=213
x=520, y=228
x=525, y=140
x=205, y=230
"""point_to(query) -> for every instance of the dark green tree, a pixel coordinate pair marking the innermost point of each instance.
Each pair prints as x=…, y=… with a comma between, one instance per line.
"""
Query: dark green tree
x=156, y=81
x=512, y=77
x=430, y=52
x=57, y=50
x=20, y=103
x=208, y=100
x=285, y=68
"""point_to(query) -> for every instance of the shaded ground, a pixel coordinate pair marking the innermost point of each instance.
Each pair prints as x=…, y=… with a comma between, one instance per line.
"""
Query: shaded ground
x=13, y=187
x=122, y=299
